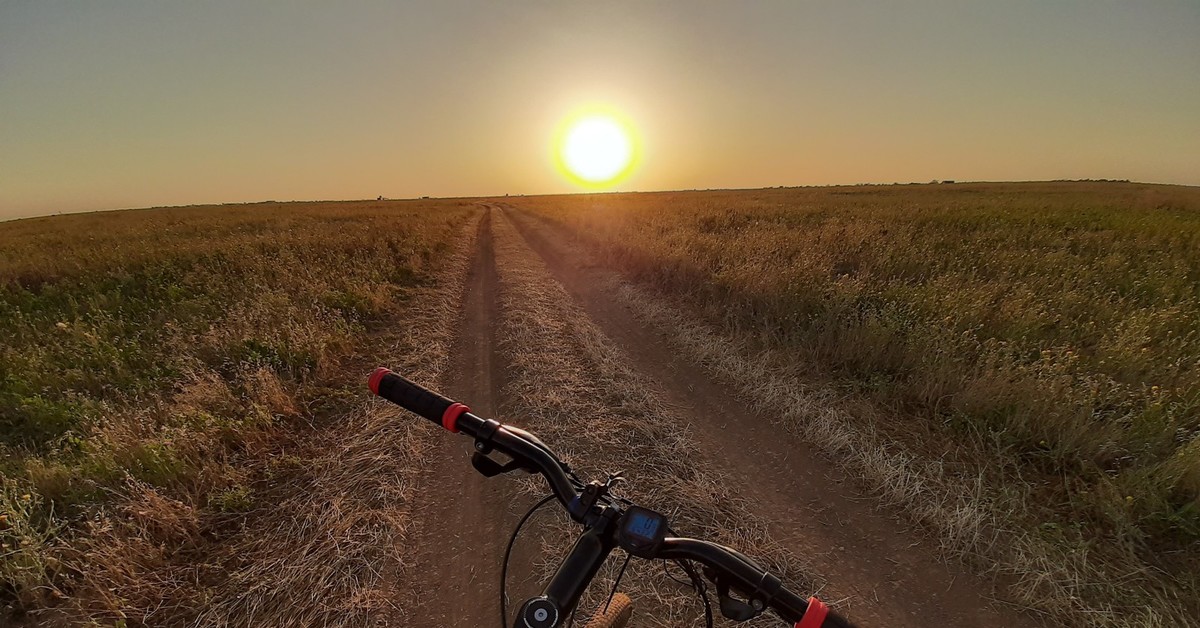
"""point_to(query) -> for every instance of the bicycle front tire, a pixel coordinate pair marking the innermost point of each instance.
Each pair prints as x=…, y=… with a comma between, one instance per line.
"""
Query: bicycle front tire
x=617, y=616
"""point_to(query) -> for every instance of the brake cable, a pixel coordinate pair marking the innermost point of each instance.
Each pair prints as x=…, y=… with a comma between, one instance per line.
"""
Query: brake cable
x=701, y=590
x=508, y=553
x=666, y=564
x=620, y=574
x=697, y=584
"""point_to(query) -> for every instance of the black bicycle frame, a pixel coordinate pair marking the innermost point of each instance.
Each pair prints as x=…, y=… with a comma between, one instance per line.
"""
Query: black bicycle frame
x=562, y=593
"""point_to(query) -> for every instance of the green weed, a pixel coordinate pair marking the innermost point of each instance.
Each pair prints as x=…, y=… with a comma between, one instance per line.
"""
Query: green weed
x=150, y=348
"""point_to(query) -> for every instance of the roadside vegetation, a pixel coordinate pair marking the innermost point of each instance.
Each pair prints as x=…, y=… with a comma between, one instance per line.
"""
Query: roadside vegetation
x=1037, y=340
x=155, y=366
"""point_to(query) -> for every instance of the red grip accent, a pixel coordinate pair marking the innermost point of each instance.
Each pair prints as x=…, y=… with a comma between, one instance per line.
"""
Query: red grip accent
x=815, y=615
x=376, y=377
x=450, y=416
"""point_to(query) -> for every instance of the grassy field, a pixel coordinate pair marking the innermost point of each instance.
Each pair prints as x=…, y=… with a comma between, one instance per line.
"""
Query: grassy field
x=1038, y=342
x=1043, y=336
x=148, y=353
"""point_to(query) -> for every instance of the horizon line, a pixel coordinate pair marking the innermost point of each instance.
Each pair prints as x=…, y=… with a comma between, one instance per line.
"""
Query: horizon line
x=592, y=193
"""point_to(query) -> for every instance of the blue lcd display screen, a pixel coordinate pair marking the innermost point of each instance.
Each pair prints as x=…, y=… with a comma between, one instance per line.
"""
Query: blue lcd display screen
x=642, y=524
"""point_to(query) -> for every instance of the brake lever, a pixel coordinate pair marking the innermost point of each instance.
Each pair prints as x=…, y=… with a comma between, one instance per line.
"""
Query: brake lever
x=486, y=466
x=731, y=607
x=490, y=468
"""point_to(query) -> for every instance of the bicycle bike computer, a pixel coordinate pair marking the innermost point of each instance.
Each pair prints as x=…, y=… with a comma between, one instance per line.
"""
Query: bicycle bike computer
x=642, y=531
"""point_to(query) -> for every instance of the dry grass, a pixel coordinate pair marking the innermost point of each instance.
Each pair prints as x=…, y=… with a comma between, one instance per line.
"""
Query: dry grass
x=1072, y=584
x=970, y=351
x=167, y=379
x=333, y=550
x=572, y=386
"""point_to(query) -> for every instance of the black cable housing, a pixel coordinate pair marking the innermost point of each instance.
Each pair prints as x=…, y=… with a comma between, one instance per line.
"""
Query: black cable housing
x=508, y=553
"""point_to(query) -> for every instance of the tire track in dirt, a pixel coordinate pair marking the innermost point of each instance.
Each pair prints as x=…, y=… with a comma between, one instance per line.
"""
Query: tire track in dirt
x=890, y=575
x=574, y=389
x=460, y=514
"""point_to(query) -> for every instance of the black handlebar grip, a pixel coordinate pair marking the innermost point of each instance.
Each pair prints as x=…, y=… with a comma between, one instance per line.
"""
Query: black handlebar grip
x=413, y=397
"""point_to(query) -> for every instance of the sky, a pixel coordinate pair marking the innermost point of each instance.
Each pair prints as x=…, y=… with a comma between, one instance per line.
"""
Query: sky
x=107, y=104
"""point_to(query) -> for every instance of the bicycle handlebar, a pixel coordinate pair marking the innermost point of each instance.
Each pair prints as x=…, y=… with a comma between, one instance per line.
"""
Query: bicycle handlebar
x=740, y=572
x=456, y=417
x=410, y=396
x=751, y=579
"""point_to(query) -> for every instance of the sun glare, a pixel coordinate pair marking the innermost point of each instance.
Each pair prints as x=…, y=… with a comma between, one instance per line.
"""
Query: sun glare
x=596, y=150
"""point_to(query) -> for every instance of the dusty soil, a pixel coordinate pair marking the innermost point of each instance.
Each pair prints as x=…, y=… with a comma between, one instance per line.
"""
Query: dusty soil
x=461, y=515
x=878, y=570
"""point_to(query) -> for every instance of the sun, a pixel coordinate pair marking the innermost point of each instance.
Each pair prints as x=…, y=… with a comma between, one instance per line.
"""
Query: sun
x=596, y=149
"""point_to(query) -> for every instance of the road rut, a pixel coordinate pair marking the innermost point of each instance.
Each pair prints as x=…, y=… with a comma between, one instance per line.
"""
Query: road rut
x=463, y=516
x=881, y=572
x=887, y=574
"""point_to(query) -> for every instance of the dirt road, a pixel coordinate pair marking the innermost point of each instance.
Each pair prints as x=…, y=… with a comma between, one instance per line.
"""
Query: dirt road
x=463, y=518
x=878, y=571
